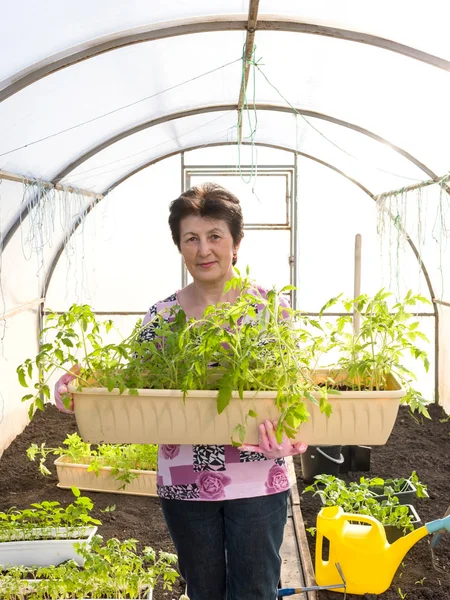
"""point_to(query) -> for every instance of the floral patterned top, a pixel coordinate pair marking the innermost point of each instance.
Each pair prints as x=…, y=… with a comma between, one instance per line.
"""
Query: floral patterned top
x=213, y=472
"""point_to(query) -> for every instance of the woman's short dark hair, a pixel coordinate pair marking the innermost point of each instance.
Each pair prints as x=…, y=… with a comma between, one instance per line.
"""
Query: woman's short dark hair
x=210, y=201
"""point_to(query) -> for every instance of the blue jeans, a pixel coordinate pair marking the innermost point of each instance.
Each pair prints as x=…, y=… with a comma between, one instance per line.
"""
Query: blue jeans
x=228, y=549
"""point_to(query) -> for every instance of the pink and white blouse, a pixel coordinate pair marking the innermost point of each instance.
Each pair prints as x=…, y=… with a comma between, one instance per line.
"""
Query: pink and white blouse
x=213, y=472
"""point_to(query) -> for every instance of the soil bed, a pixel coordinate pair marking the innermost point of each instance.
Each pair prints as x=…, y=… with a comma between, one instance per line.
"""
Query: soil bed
x=21, y=483
x=423, y=447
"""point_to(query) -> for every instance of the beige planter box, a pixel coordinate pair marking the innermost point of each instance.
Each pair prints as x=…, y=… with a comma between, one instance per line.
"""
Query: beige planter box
x=76, y=474
x=162, y=417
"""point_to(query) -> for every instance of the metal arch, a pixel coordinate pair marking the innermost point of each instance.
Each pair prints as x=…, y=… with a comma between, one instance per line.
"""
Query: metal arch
x=277, y=147
x=189, y=149
x=78, y=222
x=147, y=33
x=195, y=111
x=228, y=107
x=214, y=144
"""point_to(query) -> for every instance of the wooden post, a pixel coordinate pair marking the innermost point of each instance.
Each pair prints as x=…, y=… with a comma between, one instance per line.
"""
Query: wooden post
x=357, y=281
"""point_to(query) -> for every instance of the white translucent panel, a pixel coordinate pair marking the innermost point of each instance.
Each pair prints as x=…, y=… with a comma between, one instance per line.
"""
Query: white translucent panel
x=122, y=158
x=375, y=165
x=18, y=342
x=123, y=258
x=49, y=27
x=11, y=195
x=444, y=357
x=422, y=26
x=267, y=255
x=264, y=199
x=331, y=212
x=400, y=99
x=150, y=80
x=234, y=156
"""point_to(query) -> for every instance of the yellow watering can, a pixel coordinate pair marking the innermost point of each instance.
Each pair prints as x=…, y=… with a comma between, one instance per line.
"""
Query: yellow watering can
x=358, y=544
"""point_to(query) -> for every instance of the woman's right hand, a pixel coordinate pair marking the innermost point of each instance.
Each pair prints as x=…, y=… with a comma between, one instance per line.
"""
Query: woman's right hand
x=61, y=389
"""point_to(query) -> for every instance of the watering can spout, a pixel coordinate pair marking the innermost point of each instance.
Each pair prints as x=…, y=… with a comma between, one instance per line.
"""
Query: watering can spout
x=396, y=552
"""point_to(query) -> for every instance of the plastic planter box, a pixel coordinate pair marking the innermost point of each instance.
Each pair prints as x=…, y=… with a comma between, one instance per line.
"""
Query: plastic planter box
x=164, y=417
x=406, y=497
x=43, y=552
x=394, y=533
x=77, y=474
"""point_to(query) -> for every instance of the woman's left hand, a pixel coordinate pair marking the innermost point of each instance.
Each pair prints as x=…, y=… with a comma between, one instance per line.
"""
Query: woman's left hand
x=269, y=446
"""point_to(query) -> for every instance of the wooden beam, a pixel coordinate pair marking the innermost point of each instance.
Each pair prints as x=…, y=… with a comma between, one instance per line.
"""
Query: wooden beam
x=48, y=184
x=417, y=186
x=305, y=555
x=249, y=46
x=22, y=308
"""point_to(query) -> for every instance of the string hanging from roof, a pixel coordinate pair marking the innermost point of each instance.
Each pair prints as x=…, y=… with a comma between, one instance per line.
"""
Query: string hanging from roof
x=408, y=210
x=47, y=213
x=251, y=120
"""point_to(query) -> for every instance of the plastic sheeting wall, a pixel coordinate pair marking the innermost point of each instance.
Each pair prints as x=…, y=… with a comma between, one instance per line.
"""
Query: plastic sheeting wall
x=444, y=357
x=20, y=334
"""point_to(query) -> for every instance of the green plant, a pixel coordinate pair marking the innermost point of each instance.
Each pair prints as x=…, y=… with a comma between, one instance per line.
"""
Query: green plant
x=271, y=352
x=112, y=569
x=360, y=497
x=377, y=350
x=232, y=348
x=41, y=520
x=123, y=459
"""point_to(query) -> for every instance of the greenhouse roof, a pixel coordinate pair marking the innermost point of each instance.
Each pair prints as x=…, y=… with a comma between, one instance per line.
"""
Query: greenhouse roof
x=91, y=95
x=338, y=101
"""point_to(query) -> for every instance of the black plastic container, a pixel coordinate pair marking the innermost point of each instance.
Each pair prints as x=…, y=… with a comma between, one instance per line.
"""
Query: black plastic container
x=406, y=497
x=356, y=458
x=321, y=460
x=394, y=533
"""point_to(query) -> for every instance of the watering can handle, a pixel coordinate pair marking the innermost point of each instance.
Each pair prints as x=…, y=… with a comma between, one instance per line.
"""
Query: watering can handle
x=376, y=525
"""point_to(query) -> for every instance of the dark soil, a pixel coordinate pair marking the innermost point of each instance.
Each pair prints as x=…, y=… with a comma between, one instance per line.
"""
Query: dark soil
x=21, y=483
x=425, y=448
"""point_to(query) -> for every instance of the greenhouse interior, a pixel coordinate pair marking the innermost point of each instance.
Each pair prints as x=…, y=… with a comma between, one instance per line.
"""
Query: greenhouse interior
x=328, y=121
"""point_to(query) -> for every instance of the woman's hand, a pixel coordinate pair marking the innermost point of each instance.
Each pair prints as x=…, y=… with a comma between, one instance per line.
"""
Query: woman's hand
x=269, y=446
x=61, y=389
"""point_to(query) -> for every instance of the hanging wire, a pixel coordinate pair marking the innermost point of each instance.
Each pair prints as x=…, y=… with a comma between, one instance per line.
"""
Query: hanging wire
x=252, y=126
x=76, y=175
x=120, y=108
x=257, y=66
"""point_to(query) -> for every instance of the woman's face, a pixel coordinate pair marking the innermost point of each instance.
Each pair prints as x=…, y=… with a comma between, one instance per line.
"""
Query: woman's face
x=207, y=247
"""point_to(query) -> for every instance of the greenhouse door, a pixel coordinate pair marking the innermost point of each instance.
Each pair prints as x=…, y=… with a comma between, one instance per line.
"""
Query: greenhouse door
x=268, y=247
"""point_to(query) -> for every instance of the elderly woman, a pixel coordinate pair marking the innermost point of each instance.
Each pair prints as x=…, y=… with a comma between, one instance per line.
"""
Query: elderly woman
x=225, y=507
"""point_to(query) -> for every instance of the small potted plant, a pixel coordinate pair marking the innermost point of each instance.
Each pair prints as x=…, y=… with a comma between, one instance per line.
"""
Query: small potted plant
x=381, y=499
x=112, y=570
x=371, y=359
x=122, y=469
x=45, y=533
x=166, y=391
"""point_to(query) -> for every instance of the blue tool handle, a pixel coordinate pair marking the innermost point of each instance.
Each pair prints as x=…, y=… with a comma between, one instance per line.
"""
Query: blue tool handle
x=287, y=592
x=438, y=524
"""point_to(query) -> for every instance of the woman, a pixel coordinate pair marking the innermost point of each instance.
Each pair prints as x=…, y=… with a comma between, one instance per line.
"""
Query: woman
x=225, y=507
